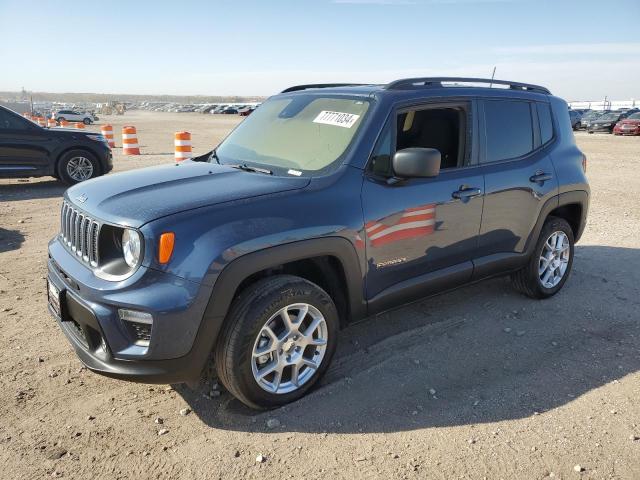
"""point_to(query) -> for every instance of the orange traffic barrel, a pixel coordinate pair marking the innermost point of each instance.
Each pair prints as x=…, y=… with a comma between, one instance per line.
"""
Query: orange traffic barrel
x=107, y=132
x=79, y=125
x=51, y=122
x=42, y=122
x=182, y=143
x=64, y=123
x=130, y=141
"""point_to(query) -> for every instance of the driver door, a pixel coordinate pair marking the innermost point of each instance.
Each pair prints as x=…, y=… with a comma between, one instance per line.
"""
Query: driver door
x=422, y=233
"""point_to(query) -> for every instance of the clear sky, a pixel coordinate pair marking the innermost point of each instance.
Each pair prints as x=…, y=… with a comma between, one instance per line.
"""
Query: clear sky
x=581, y=49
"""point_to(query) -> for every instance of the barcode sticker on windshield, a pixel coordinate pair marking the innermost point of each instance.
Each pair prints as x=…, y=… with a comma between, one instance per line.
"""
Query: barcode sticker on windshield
x=337, y=119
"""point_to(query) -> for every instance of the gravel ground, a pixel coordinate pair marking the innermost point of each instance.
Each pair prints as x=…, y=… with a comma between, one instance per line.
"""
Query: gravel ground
x=477, y=383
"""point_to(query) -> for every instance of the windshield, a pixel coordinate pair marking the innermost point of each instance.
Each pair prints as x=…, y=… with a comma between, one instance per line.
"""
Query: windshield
x=299, y=134
x=609, y=116
x=635, y=116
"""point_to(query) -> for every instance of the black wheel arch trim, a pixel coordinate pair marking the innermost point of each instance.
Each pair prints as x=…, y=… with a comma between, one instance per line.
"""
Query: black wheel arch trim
x=502, y=263
x=580, y=197
x=573, y=197
x=238, y=270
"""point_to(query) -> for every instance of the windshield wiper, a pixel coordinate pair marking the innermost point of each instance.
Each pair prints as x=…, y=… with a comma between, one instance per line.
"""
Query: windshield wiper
x=247, y=168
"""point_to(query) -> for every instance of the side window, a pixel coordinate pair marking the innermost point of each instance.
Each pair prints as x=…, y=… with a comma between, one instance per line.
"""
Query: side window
x=380, y=163
x=509, y=129
x=9, y=121
x=441, y=128
x=546, y=124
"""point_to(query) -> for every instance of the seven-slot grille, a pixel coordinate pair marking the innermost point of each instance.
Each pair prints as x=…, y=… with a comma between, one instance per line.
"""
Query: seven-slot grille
x=80, y=233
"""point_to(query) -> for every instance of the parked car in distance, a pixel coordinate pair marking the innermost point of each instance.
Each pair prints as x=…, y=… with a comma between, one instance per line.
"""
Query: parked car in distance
x=604, y=123
x=73, y=116
x=328, y=204
x=575, y=117
x=246, y=111
x=628, y=126
x=588, y=117
x=230, y=111
x=209, y=108
x=70, y=155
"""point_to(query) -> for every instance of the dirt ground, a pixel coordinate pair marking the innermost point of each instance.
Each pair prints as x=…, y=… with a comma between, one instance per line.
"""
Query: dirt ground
x=478, y=383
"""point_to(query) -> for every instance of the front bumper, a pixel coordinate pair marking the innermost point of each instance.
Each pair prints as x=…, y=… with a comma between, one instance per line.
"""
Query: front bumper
x=108, y=161
x=627, y=131
x=599, y=128
x=89, y=319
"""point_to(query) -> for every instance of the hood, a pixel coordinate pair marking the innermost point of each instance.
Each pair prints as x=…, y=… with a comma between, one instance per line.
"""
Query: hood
x=70, y=132
x=139, y=196
x=632, y=121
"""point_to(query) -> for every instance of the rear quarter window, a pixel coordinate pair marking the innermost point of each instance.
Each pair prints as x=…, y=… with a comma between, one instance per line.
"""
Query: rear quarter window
x=546, y=123
x=509, y=129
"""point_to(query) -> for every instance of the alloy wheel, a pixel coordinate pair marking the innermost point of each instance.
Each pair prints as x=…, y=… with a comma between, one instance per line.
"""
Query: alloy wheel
x=289, y=348
x=554, y=259
x=80, y=168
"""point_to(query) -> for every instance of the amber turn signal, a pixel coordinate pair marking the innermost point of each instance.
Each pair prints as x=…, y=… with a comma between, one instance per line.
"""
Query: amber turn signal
x=165, y=247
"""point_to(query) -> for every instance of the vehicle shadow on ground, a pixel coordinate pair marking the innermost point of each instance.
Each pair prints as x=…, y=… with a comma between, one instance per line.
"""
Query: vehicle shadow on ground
x=12, y=192
x=483, y=353
x=10, y=240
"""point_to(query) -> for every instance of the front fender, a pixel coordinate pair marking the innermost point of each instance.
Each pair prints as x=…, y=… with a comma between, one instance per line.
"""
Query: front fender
x=236, y=271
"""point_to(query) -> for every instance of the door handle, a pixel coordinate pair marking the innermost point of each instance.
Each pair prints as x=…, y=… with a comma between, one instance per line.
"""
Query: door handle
x=465, y=193
x=540, y=177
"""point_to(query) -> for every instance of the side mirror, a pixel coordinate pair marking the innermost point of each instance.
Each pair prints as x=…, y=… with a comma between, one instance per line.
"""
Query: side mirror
x=416, y=162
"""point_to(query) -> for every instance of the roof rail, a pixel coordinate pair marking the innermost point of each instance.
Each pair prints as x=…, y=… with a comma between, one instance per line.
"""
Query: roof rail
x=297, y=88
x=426, y=82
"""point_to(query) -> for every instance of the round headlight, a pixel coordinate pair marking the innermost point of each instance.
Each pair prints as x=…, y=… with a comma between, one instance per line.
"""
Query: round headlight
x=131, y=247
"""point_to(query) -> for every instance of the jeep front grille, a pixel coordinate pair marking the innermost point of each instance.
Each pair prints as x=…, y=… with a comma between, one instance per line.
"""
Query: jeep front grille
x=80, y=234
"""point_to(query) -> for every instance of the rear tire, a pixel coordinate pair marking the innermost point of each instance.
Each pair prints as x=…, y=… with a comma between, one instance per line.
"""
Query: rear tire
x=535, y=281
x=76, y=166
x=86, y=121
x=256, y=323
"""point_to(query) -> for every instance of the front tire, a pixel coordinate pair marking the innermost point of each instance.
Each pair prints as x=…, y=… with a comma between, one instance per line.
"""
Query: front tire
x=277, y=341
x=77, y=166
x=86, y=121
x=550, y=264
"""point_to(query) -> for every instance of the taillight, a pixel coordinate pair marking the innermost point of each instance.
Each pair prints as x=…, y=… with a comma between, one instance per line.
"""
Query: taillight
x=584, y=163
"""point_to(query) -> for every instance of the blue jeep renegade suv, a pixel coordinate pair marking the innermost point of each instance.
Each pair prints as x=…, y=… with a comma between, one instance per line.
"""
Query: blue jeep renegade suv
x=328, y=204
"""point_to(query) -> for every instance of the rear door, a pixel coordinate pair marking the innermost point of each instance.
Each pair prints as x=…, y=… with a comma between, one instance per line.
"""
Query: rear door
x=519, y=175
x=23, y=145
